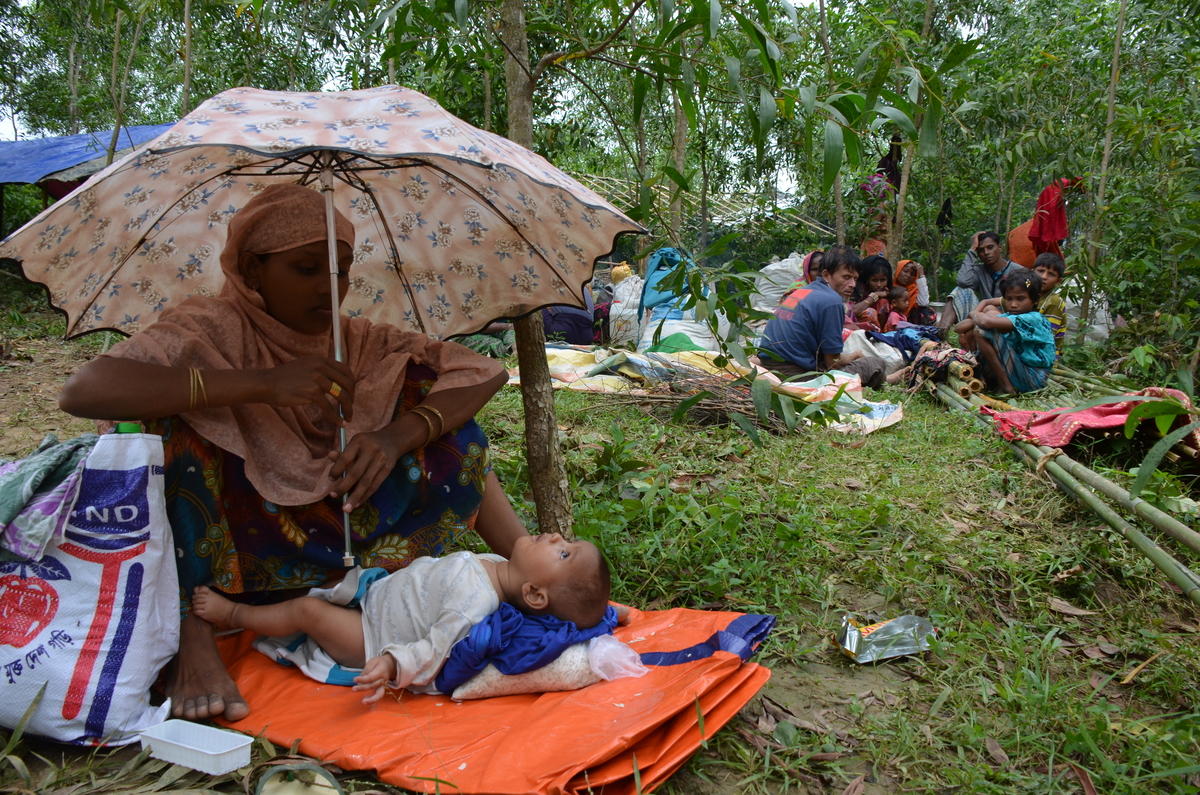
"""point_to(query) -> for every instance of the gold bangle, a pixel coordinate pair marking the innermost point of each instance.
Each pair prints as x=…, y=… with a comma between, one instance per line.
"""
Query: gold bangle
x=197, y=396
x=430, y=412
x=428, y=424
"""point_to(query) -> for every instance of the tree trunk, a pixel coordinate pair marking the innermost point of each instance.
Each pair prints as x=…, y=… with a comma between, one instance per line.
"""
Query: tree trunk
x=1094, y=235
x=839, y=211
x=186, y=98
x=679, y=160
x=702, y=233
x=487, y=99
x=547, y=475
x=999, y=193
x=112, y=86
x=838, y=203
x=895, y=241
x=1012, y=195
x=73, y=83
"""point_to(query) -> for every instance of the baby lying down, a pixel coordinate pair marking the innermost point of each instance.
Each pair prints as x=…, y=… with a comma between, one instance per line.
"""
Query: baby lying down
x=551, y=594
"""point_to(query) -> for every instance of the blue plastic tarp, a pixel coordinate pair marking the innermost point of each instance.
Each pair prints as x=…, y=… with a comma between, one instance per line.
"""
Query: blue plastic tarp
x=33, y=159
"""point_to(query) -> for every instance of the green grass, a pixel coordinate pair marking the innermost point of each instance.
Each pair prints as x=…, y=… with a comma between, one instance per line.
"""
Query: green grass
x=933, y=516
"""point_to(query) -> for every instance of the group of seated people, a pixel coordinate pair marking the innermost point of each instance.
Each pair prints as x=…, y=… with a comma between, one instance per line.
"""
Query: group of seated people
x=1007, y=314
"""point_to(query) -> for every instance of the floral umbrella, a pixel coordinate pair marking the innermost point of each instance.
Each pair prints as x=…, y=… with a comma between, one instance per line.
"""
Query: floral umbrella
x=455, y=226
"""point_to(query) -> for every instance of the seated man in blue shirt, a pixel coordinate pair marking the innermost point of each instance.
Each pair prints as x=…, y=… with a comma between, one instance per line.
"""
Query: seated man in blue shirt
x=806, y=333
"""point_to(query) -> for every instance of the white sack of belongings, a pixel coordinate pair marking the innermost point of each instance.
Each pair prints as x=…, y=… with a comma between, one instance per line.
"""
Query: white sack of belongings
x=85, y=629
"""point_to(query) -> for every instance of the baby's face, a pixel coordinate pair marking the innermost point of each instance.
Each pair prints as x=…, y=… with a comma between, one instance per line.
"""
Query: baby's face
x=549, y=560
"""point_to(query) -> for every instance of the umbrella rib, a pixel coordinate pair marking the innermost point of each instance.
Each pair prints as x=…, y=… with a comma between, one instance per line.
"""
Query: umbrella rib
x=361, y=185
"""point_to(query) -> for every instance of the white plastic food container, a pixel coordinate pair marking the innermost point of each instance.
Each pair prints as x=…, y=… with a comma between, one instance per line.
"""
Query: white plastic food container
x=204, y=748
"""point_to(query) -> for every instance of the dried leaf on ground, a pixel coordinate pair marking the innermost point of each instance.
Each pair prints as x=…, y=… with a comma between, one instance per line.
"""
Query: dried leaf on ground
x=1085, y=780
x=1108, y=648
x=996, y=752
x=1067, y=573
x=686, y=481
x=1094, y=653
x=959, y=526
x=1068, y=609
x=856, y=787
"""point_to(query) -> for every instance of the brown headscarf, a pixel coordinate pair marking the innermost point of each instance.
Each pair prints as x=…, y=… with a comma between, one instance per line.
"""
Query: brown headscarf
x=284, y=448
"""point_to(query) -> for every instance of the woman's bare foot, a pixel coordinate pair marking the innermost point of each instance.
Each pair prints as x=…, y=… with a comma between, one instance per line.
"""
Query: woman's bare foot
x=213, y=607
x=198, y=684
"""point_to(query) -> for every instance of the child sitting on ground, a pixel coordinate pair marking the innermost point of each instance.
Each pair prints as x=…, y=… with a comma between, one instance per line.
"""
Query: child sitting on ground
x=1050, y=267
x=409, y=620
x=869, y=307
x=898, y=298
x=1011, y=339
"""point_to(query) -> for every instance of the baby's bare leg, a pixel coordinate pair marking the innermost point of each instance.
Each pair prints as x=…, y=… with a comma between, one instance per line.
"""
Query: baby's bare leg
x=336, y=629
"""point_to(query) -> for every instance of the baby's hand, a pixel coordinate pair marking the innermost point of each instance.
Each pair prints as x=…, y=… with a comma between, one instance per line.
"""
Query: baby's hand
x=376, y=674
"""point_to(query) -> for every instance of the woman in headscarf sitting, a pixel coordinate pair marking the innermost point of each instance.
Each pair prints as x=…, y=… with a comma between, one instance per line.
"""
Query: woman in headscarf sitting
x=246, y=394
x=911, y=276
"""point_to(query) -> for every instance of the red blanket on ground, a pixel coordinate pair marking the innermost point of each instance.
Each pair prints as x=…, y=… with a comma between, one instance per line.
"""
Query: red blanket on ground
x=1055, y=428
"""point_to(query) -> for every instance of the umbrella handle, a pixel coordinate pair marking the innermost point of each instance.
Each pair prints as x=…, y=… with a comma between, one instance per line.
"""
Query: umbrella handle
x=326, y=179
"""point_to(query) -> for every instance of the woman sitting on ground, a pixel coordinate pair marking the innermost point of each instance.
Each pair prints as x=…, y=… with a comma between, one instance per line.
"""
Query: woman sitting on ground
x=911, y=276
x=246, y=395
x=1012, y=339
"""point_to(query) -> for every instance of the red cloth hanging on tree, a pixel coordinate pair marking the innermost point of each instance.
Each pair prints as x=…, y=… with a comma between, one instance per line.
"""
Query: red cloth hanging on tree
x=1049, y=226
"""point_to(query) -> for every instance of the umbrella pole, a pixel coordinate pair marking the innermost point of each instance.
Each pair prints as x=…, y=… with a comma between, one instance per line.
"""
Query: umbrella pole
x=338, y=353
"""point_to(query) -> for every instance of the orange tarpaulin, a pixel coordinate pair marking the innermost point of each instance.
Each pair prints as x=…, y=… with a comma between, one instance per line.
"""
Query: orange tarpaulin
x=547, y=743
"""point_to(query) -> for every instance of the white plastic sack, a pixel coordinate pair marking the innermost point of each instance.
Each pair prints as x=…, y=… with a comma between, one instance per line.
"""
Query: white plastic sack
x=774, y=280
x=859, y=342
x=623, y=327
x=95, y=618
x=698, y=332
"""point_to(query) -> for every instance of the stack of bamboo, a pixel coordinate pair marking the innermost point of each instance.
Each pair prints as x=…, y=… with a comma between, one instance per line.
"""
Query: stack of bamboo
x=961, y=378
x=1083, y=484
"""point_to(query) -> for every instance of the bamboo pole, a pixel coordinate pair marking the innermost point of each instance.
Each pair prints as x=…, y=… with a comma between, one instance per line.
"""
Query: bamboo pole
x=1188, y=582
x=960, y=370
x=1061, y=370
x=959, y=386
x=1152, y=514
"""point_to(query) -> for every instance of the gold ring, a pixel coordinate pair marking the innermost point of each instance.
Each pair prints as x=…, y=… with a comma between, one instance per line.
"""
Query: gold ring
x=335, y=389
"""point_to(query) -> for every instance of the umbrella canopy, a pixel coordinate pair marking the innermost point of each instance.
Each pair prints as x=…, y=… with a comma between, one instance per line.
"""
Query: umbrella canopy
x=455, y=226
